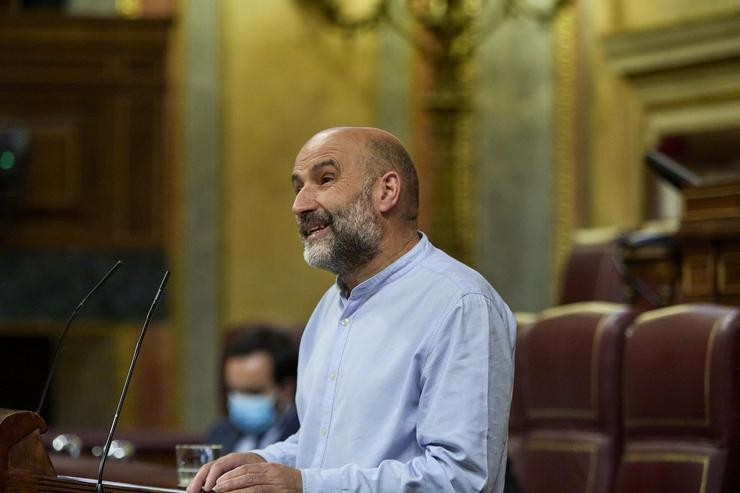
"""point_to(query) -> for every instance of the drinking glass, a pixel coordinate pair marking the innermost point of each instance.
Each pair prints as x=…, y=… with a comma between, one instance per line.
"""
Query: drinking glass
x=191, y=457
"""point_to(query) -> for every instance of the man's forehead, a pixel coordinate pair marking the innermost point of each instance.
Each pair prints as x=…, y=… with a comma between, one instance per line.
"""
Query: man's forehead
x=254, y=363
x=305, y=168
x=316, y=155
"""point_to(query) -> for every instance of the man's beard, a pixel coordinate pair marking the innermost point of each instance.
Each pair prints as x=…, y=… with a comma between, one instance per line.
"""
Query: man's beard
x=353, y=240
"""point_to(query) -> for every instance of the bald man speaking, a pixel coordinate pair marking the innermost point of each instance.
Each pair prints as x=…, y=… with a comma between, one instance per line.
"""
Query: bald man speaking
x=405, y=368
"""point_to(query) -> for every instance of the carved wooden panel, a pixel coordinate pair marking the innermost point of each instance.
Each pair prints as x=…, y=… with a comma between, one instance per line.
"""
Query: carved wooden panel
x=91, y=94
x=728, y=270
x=54, y=167
x=697, y=272
x=63, y=197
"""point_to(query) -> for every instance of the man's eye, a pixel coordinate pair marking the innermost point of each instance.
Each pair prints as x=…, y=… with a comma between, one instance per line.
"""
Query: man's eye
x=298, y=189
x=327, y=179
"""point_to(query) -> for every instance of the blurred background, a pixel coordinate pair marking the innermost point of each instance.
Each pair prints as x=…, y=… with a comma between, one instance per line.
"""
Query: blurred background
x=163, y=133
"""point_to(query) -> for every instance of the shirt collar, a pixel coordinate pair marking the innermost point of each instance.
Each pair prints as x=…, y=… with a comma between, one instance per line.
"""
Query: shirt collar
x=405, y=262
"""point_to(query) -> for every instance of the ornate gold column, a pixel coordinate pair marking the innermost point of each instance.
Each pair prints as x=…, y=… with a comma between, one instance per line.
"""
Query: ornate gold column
x=565, y=155
x=447, y=33
x=447, y=47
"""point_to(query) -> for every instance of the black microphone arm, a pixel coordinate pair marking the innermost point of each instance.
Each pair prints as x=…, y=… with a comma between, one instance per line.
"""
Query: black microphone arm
x=60, y=341
x=671, y=171
x=99, y=487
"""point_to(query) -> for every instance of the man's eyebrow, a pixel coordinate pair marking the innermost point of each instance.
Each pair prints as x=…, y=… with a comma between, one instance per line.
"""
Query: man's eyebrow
x=315, y=168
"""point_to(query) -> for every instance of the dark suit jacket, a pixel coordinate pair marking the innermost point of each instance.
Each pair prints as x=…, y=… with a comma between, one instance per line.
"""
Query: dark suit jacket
x=228, y=435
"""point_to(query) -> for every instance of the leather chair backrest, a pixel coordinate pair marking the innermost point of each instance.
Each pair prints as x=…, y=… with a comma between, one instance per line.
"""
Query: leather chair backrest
x=571, y=358
x=572, y=362
x=590, y=273
x=682, y=401
x=517, y=418
x=517, y=411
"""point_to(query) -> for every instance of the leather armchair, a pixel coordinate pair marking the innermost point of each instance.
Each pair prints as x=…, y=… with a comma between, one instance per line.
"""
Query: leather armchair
x=682, y=402
x=517, y=418
x=590, y=273
x=571, y=375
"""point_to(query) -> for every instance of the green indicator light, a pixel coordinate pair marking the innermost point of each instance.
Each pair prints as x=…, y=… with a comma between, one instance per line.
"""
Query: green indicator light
x=7, y=160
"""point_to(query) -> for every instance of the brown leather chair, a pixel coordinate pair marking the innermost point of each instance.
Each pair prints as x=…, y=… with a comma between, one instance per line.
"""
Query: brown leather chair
x=571, y=362
x=681, y=402
x=517, y=417
x=590, y=273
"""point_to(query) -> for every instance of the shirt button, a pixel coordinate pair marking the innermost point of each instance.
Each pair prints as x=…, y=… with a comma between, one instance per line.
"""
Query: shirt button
x=345, y=322
x=333, y=376
x=323, y=431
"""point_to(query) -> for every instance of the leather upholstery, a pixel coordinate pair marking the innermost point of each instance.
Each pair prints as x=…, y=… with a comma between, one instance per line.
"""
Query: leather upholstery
x=590, y=274
x=571, y=367
x=682, y=401
x=517, y=411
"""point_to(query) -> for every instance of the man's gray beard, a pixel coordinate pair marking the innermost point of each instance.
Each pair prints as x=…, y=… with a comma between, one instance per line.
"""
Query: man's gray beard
x=353, y=240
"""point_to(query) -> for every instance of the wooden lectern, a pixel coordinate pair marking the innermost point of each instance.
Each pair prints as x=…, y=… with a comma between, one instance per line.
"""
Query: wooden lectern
x=709, y=239
x=701, y=263
x=25, y=466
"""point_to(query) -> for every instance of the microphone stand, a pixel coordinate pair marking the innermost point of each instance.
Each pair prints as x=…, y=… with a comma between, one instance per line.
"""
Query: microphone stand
x=99, y=487
x=60, y=341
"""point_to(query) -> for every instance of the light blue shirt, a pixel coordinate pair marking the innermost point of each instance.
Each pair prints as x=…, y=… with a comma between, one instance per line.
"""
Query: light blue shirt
x=406, y=384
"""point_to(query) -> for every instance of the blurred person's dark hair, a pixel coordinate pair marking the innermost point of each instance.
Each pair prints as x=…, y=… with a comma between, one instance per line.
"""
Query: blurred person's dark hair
x=274, y=341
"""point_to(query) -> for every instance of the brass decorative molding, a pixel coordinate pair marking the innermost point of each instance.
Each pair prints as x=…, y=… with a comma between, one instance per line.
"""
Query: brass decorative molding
x=678, y=45
x=700, y=459
x=569, y=447
x=564, y=141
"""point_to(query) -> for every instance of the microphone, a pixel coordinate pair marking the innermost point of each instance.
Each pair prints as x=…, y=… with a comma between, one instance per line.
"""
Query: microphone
x=674, y=173
x=640, y=287
x=99, y=487
x=60, y=341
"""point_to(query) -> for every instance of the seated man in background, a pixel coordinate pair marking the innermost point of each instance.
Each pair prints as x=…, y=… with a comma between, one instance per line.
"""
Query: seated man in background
x=259, y=379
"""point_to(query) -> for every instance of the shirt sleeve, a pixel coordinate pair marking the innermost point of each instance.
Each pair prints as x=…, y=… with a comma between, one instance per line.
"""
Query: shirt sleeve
x=462, y=420
x=283, y=452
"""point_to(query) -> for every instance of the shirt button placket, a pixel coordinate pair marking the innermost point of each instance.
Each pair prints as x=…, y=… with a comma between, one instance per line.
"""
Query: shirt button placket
x=324, y=431
x=331, y=386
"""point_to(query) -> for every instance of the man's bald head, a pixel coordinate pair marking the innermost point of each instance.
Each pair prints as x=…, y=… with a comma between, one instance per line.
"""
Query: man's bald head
x=356, y=201
x=380, y=152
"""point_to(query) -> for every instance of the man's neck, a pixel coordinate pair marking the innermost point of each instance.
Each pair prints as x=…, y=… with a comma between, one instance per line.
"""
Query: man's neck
x=389, y=251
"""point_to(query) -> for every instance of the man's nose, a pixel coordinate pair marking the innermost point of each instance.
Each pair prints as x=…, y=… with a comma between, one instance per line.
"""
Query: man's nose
x=304, y=201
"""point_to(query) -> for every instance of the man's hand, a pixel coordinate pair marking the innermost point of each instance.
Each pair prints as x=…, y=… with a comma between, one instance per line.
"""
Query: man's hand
x=261, y=478
x=206, y=477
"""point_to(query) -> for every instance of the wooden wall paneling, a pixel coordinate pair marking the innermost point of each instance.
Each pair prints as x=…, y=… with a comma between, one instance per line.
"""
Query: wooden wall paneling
x=65, y=193
x=698, y=272
x=139, y=183
x=91, y=92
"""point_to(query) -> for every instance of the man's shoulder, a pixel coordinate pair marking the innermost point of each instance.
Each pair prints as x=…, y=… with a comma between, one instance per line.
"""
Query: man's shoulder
x=445, y=272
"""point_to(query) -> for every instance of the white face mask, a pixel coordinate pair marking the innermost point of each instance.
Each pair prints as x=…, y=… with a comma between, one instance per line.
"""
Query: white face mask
x=252, y=413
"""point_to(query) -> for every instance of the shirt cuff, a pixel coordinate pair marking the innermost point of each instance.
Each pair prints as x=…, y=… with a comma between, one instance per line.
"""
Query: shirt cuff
x=320, y=481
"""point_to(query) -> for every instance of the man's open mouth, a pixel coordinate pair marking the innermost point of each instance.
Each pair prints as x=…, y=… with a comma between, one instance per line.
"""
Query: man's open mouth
x=313, y=230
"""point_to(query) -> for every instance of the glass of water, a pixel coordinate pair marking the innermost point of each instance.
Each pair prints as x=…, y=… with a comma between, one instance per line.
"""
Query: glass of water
x=191, y=457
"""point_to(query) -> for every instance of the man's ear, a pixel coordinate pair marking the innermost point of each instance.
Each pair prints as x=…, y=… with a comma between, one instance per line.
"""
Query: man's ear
x=390, y=191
